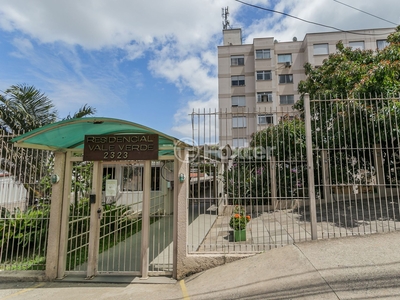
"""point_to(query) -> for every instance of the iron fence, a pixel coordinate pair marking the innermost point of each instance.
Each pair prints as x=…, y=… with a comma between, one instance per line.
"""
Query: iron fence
x=24, y=205
x=279, y=187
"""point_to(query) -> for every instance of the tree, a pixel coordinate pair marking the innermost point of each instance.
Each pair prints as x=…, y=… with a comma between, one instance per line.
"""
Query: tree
x=22, y=109
x=249, y=177
x=354, y=73
x=84, y=111
x=372, y=80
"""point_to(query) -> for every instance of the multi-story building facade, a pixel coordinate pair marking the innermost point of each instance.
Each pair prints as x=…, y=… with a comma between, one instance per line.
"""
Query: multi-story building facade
x=257, y=83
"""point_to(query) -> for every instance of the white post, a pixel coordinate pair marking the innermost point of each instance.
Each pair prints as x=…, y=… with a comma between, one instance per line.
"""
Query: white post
x=272, y=171
x=326, y=176
x=180, y=212
x=310, y=167
x=380, y=176
x=95, y=215
x=53, y=246
x=146, y=220
x=62, y=256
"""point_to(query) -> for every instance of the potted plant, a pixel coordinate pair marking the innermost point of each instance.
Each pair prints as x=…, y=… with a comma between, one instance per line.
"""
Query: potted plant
x=238, y=223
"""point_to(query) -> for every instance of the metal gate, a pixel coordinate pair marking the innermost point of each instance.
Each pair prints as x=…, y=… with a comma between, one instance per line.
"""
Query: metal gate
x=79, y=217
x=125, y=226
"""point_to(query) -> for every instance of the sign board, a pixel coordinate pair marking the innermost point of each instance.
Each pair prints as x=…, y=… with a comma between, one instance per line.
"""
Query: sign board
x=111, y=187
x=120, y=147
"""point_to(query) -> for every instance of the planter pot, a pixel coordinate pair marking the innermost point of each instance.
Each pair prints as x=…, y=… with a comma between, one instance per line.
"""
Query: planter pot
x=240, y=235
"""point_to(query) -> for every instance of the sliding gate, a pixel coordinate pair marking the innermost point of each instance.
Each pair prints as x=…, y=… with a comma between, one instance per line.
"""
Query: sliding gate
x=123, y=229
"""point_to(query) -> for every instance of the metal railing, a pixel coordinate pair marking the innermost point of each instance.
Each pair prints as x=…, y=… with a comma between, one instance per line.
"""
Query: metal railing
x=350, y=163
x=24, y=205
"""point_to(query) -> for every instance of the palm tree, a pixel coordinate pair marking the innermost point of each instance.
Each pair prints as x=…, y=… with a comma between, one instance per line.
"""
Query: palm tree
x=84, y=111
x=22, y=109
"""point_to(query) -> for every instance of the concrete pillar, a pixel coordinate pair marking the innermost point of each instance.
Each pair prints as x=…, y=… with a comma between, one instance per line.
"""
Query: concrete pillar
x=146, y=220
x=380, y=173
x=180, y=210
x=326, y=175
x=310, y=167
x=62, y=256
x=95, y=208
x=55, y=217
x=272, y=171
x=220, y=169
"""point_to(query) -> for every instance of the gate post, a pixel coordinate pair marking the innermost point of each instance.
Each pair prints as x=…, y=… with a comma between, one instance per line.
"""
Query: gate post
x=94, y=233
x=146, y=220
x=380, y=173
x=272, y=172
x=326, y=176
x=310, y=167
x=53, y=244
x=181, y=190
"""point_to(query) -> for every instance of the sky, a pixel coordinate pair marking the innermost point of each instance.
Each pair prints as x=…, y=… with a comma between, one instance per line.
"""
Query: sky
x=151, y=62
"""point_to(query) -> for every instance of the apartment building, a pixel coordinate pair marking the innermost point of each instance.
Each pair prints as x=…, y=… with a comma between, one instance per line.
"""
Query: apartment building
x=257, y=83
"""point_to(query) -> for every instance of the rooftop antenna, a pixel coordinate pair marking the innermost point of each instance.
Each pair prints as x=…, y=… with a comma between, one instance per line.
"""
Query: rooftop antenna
x=225, y=21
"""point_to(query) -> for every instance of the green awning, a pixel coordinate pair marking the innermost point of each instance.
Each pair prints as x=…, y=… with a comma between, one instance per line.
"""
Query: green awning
x=70, y=134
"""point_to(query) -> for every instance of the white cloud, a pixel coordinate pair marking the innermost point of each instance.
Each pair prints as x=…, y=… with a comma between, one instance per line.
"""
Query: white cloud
x=178, y=38
x=203, y=112
x=24, y=47
x=107, y=23
x=326, y=12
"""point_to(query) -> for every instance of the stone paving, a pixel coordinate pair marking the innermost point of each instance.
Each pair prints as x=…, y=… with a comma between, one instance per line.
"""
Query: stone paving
x=277, y=228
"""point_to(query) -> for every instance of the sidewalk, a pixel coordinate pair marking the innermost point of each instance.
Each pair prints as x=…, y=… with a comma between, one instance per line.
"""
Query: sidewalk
x=362, y=267
x=359, y=267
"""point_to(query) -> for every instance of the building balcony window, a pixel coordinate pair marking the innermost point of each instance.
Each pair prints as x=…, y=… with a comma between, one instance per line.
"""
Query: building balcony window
x=286, y=99
x=237, y=60
x=286, y=78
x=264, y=75
x=266, y=119
x=237, y=80
x=264, y=97
x=263, y=54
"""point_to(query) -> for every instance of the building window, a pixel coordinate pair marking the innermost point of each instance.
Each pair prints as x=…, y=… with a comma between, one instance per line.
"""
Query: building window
x=263, y=54
x=237, y=80
x=238, y=101
x=286, y=99
x=286, y=78
x=381, y=44
x=239, y=142
x=264, y=75
x=283, y=58
x=238, y=122
x=264, y=97
x=237, y=60
x=321, y=49
x=265, y=119
x=357, y=45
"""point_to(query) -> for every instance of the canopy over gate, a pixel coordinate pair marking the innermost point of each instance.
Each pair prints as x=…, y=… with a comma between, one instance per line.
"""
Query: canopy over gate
x=66, y=138
x=70, y=135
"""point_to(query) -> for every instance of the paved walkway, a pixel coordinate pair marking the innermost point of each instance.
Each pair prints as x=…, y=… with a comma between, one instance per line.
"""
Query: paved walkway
x=268, y=230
